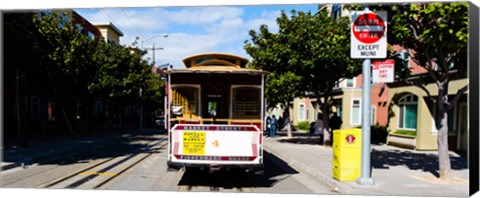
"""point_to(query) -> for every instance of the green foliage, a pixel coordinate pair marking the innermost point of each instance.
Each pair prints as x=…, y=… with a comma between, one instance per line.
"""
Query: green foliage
x=21, y=41
x=306, y=57
x=304, y=126
x=405, y=132
x=91, y=67
x=436, y=32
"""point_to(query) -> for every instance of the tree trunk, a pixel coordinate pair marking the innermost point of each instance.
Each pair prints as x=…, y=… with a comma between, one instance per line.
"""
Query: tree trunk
x=287, y=117
x=327, y=140
x=64, y=113
x=442, y=138
x=21, y=114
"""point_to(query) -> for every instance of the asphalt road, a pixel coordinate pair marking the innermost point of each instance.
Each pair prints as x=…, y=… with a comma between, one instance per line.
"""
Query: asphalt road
x=138, y=163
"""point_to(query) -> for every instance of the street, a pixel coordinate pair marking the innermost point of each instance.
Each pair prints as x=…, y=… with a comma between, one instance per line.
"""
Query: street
x=138, y=162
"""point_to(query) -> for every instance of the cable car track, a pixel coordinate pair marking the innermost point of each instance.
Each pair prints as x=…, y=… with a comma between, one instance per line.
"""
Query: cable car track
x=204, y=181
x=85, y=175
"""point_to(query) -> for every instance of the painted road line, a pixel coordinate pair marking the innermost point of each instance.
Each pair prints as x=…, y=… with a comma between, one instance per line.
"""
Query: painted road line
x=98, y=173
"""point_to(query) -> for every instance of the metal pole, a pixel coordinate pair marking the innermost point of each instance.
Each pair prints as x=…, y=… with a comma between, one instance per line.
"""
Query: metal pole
x=153, y=63
x=365, y=178
x=141, y=111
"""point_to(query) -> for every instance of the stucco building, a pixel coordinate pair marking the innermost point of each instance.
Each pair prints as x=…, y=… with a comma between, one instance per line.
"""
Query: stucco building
x=397, y=106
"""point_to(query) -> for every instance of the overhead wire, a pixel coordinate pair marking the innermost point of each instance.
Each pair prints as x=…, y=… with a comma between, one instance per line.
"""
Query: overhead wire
x=102, y=10
x=139, y=30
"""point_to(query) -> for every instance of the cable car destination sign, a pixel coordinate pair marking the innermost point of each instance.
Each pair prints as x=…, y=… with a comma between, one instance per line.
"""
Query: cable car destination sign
x=368, y=34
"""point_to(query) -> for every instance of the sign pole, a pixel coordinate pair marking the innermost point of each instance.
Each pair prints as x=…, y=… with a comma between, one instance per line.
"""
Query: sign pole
x=368, y=41
x=365, y=176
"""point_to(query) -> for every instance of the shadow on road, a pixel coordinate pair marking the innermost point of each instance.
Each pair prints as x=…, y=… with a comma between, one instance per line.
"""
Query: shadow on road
x=304, y=139
x=299, y=138
x=236, y=178
x=382, y=159
x=81, y=149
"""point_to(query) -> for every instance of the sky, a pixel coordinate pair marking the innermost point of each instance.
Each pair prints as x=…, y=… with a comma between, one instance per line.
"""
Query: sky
x=191, y=29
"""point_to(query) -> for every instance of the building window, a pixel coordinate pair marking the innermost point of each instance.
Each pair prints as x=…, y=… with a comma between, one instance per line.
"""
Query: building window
x=336, y=11
x=408, y=112
x=35, y=108
x=98, y=108
x=338, y=107
x=351, y=82
x=63, y=20
x=51, y=109
x=301, y=112
x=403, y=55
x=79, y=110
x=79, y=28
x=372, y=84
x=337, y=85
x=91, y=35
x=452, y=120
x=247, y=102
x=437, y=67
x=128, y=112
x=356, y=113
x=307, y=113
x=373, y=113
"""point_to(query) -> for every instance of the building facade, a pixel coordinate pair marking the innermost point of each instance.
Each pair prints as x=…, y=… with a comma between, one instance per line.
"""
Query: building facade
x=41, y=114
x=401, y=108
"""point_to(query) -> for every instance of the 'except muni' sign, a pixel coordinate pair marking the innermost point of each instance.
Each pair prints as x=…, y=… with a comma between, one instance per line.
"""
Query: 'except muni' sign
x=368, y=34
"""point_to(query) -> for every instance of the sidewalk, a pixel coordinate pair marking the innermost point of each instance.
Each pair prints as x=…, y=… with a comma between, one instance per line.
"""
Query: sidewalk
x=41, y=150
x=396, y=171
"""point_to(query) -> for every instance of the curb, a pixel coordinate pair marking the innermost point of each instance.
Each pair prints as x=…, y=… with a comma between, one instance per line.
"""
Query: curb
x=330, y=182
x=7, y=166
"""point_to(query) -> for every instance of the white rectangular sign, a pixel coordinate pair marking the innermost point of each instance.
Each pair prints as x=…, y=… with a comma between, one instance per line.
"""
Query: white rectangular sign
x=383, y=71
x=368, y=38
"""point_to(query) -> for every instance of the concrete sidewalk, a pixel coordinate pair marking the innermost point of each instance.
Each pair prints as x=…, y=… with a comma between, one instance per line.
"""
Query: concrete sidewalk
x=395, y=171
x=43, y=150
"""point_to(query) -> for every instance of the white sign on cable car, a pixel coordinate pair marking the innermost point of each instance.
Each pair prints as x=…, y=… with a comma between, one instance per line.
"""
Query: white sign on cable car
x=368, y=34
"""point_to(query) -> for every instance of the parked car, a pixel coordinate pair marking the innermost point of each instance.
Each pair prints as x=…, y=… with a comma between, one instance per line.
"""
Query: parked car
x=160, y=122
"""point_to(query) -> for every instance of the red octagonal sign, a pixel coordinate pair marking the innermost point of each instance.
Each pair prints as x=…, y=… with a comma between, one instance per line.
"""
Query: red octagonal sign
x=368, y=28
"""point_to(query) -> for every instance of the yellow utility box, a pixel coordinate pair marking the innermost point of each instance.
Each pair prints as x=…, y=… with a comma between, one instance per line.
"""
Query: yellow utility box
x=347, y=154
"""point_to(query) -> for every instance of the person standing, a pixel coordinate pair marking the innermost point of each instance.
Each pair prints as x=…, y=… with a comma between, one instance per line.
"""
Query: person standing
x=267, y=130
x=336, y=123
x=273, y=126
x=319, y=127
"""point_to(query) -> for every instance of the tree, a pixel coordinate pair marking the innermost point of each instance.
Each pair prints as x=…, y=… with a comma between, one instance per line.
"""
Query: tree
x=281, y=86
x=314, y=50
x=81, y=67
x=69, y=58
x=21, y=41
x=437, y=34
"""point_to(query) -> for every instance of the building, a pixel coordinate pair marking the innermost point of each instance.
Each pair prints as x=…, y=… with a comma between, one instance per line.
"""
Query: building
x=398, y=106
x=412, y=111
x=110, y=33
x=42, y=115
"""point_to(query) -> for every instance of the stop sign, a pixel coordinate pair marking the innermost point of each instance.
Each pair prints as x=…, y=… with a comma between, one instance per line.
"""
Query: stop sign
x=368, y=28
